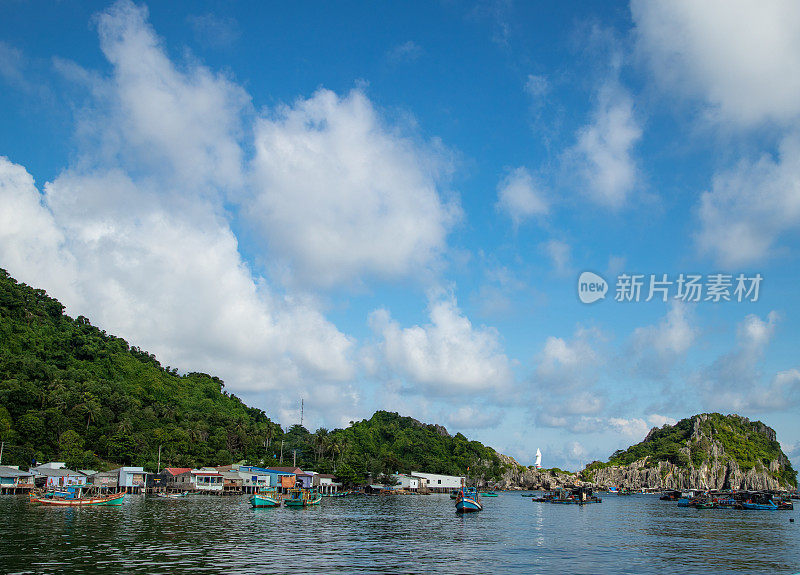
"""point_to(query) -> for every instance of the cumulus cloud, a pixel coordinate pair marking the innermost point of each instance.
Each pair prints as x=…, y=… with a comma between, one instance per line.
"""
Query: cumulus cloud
x=750, y=206
x=741, y=57
x=520, y=197
x=560, y=254
x=446, y=356
x=342, y=196
x=657, y=349
x=603, y=154
x=564, y=364
x=735, y=380
x=133, y=234
x=471, y=417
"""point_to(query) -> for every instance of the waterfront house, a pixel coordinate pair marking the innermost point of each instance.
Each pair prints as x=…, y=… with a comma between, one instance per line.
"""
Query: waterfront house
x=232, y=482
x=283, y=477
x=407, y=482
x=207, y=480
x=178, y=479
x=326, y=483
x=438, y=483
x=131, y=479
x=12, y=480
x=107, y=480
x=254, y=478
x=55, y=474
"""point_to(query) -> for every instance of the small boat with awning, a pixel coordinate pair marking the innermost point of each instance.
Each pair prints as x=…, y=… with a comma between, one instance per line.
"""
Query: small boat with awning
x=302, y=498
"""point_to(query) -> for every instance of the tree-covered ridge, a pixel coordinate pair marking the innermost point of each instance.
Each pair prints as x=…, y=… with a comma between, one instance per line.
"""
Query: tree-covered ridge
x=698, y=439
x=388, y=443
x=70, y=391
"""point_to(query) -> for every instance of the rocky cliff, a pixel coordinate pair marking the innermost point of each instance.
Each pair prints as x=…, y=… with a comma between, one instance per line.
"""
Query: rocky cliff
x=707, y=451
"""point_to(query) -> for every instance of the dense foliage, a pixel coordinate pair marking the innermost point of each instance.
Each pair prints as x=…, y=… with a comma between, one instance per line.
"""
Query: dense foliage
x=388, y=443
x=750, y=443
x=71, y=392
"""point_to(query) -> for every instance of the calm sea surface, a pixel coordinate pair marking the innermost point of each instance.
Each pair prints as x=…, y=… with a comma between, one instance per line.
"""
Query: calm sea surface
x=403, y=534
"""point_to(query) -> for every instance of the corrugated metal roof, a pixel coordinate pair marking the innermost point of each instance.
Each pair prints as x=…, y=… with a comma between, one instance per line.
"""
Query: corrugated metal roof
x=6, y=471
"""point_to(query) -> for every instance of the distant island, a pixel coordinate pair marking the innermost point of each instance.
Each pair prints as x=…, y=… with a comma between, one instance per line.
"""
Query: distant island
x=71, y=392
x=705, y=451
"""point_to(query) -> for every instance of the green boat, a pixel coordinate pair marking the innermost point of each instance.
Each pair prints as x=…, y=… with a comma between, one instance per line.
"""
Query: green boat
x=267, y=497
x=302, y=498
x=488, y=494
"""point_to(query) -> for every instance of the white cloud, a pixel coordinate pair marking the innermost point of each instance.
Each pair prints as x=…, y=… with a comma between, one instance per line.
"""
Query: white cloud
x=520, y=197
x=341, y=195
x=181, y=125
x=560, y=254
x=742, y=56
x=735, y=381
x=447, y=356
x=537, y=86
x=750, y=206
x=603, y=153
x=657, y=420
x=657, y=349
x=565, y=365
x=469, y=417
x=29, y=237
x=406, y=52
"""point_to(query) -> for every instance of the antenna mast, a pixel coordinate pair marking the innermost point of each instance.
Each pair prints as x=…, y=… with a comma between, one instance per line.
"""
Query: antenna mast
x=301, y=412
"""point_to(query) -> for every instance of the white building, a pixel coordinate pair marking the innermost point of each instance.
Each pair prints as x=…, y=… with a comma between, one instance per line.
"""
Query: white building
x=408, y=482
x=439, y=483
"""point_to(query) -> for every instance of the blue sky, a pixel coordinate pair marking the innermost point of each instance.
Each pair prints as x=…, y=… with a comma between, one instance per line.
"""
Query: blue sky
x=384, y=206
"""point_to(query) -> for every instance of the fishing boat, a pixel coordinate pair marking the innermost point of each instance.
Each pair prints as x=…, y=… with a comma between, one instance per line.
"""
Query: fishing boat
x=468, y=501
x=579, y=496
x=266, y=497
x=488, y=494
x=172, y=495
x=75, y=496
x=302, y=498
x=454, y=493
x=763, y=505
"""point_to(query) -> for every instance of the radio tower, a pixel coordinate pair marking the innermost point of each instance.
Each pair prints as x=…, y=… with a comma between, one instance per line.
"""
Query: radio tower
x=301, y=412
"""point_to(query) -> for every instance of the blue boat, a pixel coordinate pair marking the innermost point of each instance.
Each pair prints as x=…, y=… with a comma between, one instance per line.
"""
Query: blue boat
x=467, y=501
x=768, y=506
x=268, y=497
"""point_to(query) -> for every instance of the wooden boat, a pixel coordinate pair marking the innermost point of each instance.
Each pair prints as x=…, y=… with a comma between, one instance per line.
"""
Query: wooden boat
x=302, y=498
x=268, y=497
x=468, y=501
x=488, y=494
x=172, y=495
x=73, y=497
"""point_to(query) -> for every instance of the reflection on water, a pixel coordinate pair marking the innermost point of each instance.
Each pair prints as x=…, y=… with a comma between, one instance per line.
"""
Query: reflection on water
x=405, y=534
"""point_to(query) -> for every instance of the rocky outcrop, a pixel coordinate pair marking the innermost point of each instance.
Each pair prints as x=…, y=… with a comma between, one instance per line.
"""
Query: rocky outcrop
x=707, y=463
x=665, y=475
x=518, y=476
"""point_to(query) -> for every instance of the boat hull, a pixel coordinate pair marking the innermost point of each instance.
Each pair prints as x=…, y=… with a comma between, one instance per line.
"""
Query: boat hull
x=261, y=501
x=759, y=506
x=467, y=504
x=60, y=502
